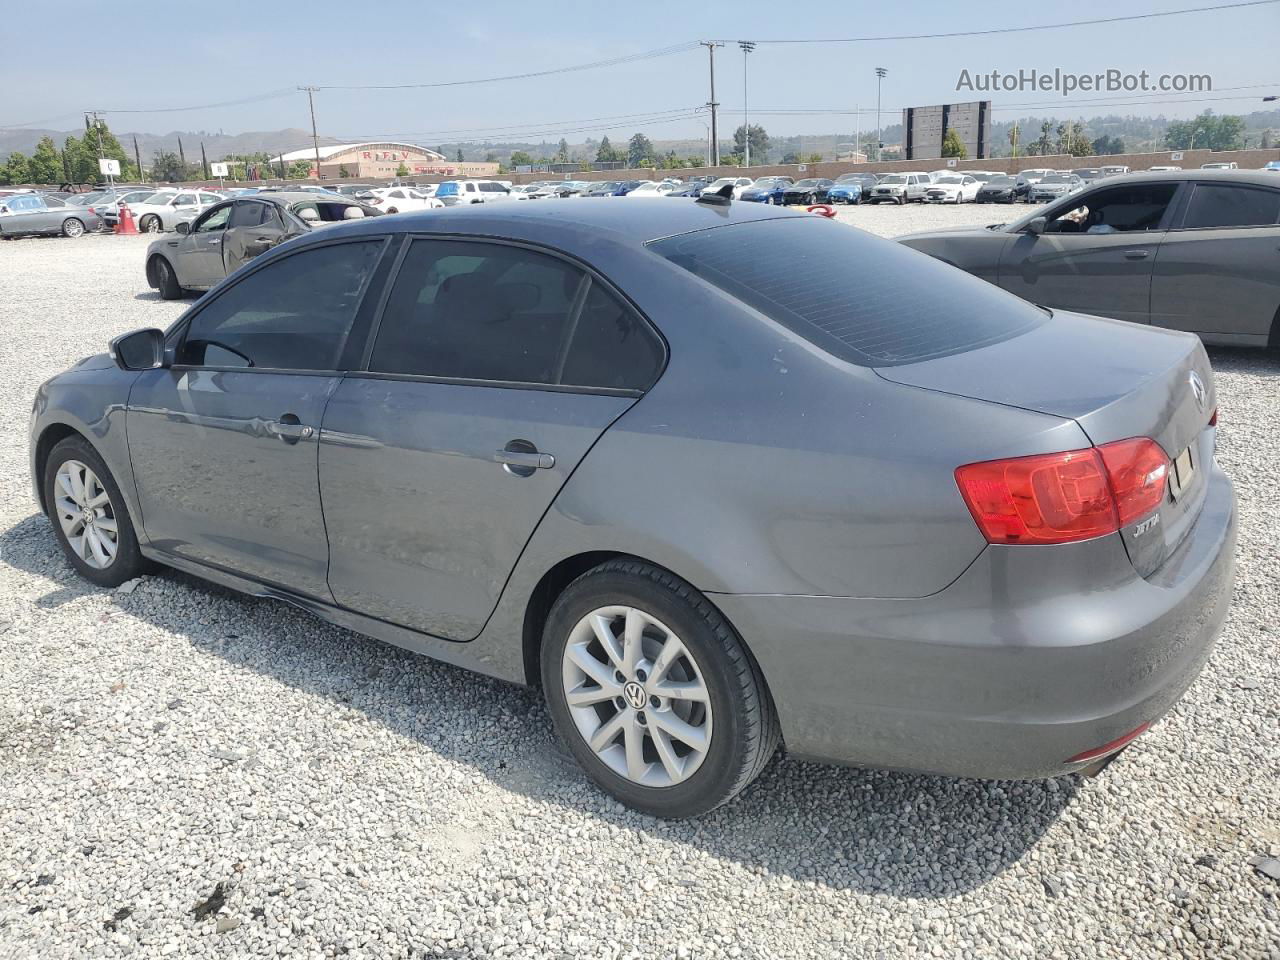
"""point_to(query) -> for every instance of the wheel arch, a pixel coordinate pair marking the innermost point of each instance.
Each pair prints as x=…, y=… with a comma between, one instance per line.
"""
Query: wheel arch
x=543, y=597
x=50, y=437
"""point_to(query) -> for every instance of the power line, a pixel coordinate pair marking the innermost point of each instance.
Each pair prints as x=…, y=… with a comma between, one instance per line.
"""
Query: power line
x=517, y=128
x=540, y=134
x=258, y=98
x=594, y=65
x=1027, y=29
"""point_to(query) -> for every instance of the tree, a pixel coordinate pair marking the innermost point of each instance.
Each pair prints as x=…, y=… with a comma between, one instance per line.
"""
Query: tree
x=953, y=146
x=1014, y=132
x=605, y=152
x=166, y=166
x=402, y=170
x=759, y=142
x=1072, y=140
x=459, y=156
x=521, y=159
x=1107, y=145
x=300, y=169
x=562, y=151
x=46, y=165
x=17, y=169
x=1206, y=131
x=639, y=151
x=1266, y=139
x=343, y=172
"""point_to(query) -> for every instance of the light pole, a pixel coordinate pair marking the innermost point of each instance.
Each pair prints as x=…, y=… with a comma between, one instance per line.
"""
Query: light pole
x=747, y=46
x=880, y=75
x=315, y=140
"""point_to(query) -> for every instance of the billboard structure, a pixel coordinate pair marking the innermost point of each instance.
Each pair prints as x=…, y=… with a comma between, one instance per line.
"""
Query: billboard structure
x=925, y=127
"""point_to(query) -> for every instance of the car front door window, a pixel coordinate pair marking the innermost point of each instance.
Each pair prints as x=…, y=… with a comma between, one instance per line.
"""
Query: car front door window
x=1129, y=209
x=214, y=220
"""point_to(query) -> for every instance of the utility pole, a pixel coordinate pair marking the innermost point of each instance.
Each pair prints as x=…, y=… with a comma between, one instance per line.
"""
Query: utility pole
x=715, y=137
x=880, y=75
x=97, y=128
x=747, y=46
x=137, y=157
x=315, y=140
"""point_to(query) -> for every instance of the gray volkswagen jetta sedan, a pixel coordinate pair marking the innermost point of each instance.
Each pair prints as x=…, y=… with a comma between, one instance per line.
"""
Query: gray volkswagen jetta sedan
x=1188, y=250
x=664, y=462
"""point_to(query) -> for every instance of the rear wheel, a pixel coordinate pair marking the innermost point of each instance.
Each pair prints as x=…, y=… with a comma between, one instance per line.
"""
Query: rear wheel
x=89, y=515
x=71, y=227
x=150, y=224
x=392, y=210
x=653, y=692
x=166, y=280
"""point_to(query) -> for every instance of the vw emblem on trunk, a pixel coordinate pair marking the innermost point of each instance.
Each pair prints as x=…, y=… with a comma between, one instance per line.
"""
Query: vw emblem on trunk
x=1197, y=388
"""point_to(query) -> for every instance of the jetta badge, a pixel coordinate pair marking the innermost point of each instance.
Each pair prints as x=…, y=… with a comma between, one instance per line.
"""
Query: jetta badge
x=1197, y=388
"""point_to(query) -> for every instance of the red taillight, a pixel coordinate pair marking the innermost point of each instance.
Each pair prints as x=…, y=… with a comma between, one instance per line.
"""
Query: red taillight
x=1061, y=497
x=1213, y=420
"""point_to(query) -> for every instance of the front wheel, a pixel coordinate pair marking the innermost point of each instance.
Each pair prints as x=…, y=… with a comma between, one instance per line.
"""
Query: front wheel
x=71, y=227
x=90, y=519
x=166, y=280
x=151, y=224
x=653, y=692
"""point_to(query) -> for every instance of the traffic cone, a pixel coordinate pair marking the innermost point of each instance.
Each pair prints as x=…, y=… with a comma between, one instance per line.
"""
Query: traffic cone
x=124, y=223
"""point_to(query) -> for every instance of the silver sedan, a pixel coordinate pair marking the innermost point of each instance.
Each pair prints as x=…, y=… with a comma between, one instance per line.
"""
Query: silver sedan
x=30, y=214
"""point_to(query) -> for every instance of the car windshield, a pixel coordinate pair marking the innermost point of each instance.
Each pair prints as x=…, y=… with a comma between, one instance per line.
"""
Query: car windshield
x=1001, y=182
x=850, y=178
x=1056, y=178
x=157, y=198
x=808, y=183
x=951, y=179
x=794, y=272
x=449, y=189
x=894, y=178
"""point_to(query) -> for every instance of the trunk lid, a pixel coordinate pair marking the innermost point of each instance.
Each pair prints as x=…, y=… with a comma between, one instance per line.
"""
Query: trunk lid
x=1117, y=380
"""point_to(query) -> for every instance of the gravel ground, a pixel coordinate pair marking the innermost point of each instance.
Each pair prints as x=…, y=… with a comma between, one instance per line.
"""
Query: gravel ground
x=189, y=772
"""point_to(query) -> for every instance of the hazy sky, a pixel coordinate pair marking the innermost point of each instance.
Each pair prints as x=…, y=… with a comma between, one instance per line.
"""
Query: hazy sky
x=233, y=50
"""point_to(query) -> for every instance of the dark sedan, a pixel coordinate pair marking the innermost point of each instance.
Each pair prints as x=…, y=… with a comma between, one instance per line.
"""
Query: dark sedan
x=1002, y=190
x=767, y=190
x=1189, y=250
x=230, y=234
x=666, y=463
x=812, y=190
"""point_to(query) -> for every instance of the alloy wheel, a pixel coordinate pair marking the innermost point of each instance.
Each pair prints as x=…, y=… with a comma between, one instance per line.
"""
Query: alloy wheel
x=152, y=225
x=72, y=227
x=86, y=514
x=636, y=696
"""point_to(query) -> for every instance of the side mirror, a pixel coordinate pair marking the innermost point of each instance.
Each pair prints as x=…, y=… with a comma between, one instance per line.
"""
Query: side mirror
x=183, y=227
x=1037, y=225
x=139, y=350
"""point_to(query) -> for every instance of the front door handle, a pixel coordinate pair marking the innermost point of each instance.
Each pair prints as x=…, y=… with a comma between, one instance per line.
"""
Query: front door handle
x=215, y=241
x=1136, y=254
x=289, y=429
x=519, y=458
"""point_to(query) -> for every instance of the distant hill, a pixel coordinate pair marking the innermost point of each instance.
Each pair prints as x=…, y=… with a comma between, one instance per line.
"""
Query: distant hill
x=216, y=145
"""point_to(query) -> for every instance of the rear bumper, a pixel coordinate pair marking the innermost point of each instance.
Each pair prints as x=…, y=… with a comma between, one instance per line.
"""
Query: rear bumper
x=1032, y=656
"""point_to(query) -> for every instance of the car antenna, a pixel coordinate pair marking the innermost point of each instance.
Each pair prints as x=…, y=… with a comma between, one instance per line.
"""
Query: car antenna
x=721, y=198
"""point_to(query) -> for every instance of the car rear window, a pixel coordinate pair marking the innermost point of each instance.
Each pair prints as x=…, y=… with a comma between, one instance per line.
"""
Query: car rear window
x=867, y=301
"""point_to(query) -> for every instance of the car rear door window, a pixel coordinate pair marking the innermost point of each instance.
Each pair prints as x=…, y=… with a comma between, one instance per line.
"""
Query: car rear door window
x=493, y=312
x=904, y=308
x=248, y=213
x=1231, y=205
x=293, y=314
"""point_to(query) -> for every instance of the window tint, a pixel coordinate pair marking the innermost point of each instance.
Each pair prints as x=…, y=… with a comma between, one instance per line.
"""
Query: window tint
x=1125, y=209
x=248, y=213
x=1222, y=205
x=293, y=314
x=795, y=272
x=478, y=311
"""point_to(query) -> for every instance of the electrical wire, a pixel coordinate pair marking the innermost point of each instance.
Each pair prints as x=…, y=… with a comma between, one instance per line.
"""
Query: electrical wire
x=258, y=98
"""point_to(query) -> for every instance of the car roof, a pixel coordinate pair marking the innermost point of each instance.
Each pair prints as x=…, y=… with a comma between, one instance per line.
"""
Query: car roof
x=1258, y=177
x=286, y=197
x=557, y=224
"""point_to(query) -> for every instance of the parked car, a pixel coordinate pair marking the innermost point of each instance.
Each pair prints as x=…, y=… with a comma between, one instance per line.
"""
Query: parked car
x=1232, y=165
x=691, y=188
x=454, y=192
x=651, y=189
x=31, y=214
x=626, y=186
x=164, y=210
x=1272, y=166
x=952, y=188
x=1088, y=174
x=1192, y=250
x=494, y=437
x=764, y=190
x=108, y=207
x=1035, y=175
x=808, y=191
x=900, y=188
x=739, y=185
x=231, y=233
x=1161, y=169
x=1114, y=170
x=399, y=200
x=1006, y=189
x=602, y=188
x=355, y=189
x=1055, y=187
x=851, y=188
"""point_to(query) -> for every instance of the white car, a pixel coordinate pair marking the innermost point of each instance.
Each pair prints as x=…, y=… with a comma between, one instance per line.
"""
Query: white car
x=165, y=210
x=458, y=192
x=1162, y=169
x=651, y=188
x=109, y=207
x=952, y=188
x=1034, y=176
x=399, y=199
x=739, y=184
x=1220, y=166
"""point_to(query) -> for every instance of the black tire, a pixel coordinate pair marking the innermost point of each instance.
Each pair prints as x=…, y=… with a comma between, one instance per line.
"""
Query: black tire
x=392, y=210
x=167, y=280
x=73, y=227
x=128, y=561
x=745, y=734
x=151, y=224
x=902, y=200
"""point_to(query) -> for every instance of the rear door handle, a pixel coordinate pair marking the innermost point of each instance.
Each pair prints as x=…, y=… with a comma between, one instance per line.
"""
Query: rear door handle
x=519, y=458
x=1136, y=254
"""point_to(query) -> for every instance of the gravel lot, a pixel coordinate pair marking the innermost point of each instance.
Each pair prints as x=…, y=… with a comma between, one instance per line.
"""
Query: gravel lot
x=189, y=772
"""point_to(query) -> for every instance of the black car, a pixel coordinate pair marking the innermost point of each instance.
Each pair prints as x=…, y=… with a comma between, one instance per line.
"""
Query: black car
x=813, y=190
x=1003, y=190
